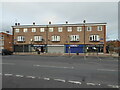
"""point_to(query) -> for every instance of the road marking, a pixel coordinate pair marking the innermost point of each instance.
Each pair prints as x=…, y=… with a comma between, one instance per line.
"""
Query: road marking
x=8, y=74
x=72, y=56
x=53, y=66
x=7, y=63
x=90, y=84
x=30, y=76
x=19, y=75
x=61, y=80
x=114, y=86
x=98, y=58
x=76, y=82
x=107, y=70
x=46, y=78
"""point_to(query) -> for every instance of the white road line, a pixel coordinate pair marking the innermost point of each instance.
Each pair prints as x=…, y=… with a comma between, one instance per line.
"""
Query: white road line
x=76, y=82
x=72, y=56
x=107, y=70
x=8, y=74
x=19, y=75
x=98, y=58
x=30, y=77
x=114, y=86
x=7, y=63
x=46, y=78
x=61, y=80
x=90, y=84
x=53, y=66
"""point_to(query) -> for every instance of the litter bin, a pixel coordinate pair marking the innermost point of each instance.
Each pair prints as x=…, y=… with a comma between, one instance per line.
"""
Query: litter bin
x=38, y=52
x=77, y=53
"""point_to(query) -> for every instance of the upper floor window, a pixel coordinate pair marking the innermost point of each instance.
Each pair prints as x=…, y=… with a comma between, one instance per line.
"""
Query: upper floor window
x=94, y=38
x=50, y=29
x=25, y=30
x=33, y=29
x=79, y=29
x=20, y=38
x=42, y=29
x=89, y=28
x=38, y=38
x=69, y=29
x=17, y=30
x=99, y=28
x=55, y=38
x=74, y=37
x=60, y=29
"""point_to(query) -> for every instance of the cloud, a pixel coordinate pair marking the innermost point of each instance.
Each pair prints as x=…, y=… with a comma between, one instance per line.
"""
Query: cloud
x=74, y=12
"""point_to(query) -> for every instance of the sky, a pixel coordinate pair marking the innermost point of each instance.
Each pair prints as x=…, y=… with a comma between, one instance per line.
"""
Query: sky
x=58, y=12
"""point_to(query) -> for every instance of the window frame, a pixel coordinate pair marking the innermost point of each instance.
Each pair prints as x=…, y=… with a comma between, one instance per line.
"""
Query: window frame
x=34, y=30
x=17, y=29
x=51, y=29
x=25, y=30
x=98, y=28
x=60, y=29
x=90, y=28
x=42, y=29
x=69, y=29
x=79, y=29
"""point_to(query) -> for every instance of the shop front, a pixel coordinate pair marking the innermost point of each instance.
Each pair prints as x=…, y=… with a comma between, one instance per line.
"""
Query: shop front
x=74, y=48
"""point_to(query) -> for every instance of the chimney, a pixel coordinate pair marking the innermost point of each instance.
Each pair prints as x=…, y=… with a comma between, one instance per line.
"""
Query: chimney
x=84, y=21
x=18, y=24
x=33, y=23
x=49, y=22
x=66, y=22
x=15, y=24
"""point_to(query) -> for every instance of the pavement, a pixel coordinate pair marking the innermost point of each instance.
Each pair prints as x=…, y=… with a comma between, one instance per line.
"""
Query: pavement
x=69, y=54
x=35, y=71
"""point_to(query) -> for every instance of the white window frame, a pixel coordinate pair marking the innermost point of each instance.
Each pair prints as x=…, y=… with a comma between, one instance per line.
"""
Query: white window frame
x=94, y=38
x=69, y=29
x=21, y=38
x=51, y=29
x=33, y=29
x=79, y=29
x=17, y=30
x=37, y=38
x=74, y=38
x=55, y=38
x=60, y=29
x=98, y=28
x=88, y=28
x=25, y=30
x=42, y=29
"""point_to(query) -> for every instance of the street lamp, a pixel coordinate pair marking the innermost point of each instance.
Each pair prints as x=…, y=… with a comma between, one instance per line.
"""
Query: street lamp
x=84, y=35
x=31, y=44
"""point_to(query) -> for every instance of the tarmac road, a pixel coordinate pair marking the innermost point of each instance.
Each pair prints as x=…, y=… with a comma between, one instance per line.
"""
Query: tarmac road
x=34, y=71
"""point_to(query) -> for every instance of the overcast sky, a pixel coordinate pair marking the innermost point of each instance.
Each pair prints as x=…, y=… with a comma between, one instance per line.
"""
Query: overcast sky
x=59, y=12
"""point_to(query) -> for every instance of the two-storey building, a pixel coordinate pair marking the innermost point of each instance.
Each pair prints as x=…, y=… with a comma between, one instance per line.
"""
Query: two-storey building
x=6, y=41
x=60, y=38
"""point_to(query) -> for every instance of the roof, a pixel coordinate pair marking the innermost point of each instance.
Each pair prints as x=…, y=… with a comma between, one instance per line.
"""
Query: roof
x=55, y=25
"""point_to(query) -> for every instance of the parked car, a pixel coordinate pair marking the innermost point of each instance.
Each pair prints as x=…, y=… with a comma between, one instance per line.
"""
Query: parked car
x=6, y=52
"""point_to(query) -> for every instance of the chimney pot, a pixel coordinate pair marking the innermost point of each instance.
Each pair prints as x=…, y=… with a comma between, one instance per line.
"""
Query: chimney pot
x=50, y=22
x=33, y=23
x=66, y=22
x=18, y=24
x=15, y=24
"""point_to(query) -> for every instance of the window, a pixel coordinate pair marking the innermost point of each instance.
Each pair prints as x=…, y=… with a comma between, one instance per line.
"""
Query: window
x=50, y=29
x=69, y=29
x=33, y=29
x=99, y=28
x=20, y=38
x=25, y=30
x=89, y=28
x=74, y=37
x=17, y=30
x=38, y=38
x=55, y=38
x=60, y=29
x=42, y=29
x=79, y=29
x=94, y=38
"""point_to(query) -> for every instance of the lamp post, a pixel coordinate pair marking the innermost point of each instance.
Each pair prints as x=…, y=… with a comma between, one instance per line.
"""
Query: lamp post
x=31, y=40
x=84, y=36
